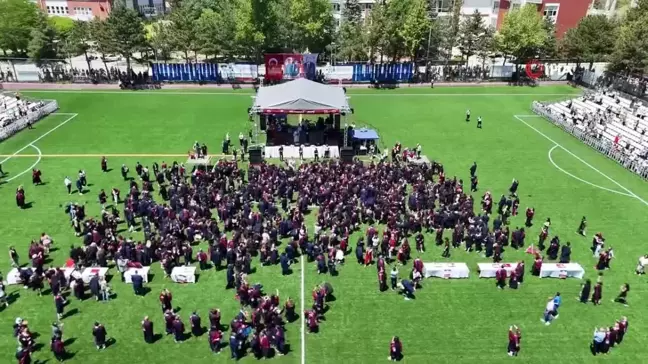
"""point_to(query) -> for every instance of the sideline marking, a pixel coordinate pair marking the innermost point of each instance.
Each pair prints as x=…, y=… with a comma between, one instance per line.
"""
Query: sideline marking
x=39, y=138
x=580, y=179
x=28, y=169
x=630, y=193
x=105, y=155
x=303, y=320
x=248, y=94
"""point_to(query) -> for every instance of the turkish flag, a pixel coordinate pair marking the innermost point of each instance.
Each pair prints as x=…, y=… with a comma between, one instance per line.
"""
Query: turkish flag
x=274, y=66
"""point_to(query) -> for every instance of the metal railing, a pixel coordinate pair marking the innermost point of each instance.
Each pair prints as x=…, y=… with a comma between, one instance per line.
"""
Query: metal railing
x=636, y=165
x=49, y=107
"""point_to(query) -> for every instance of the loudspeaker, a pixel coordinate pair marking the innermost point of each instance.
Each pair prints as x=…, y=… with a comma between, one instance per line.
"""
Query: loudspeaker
x=346, y=154
x=336, y=119
x=262, y=122
x=255, y=155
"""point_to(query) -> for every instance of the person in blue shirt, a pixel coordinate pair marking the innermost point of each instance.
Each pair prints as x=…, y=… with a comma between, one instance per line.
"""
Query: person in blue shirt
x=598, y=341
x=407, y=288
x=285, y=264
x=234, y=346
x=557, y=301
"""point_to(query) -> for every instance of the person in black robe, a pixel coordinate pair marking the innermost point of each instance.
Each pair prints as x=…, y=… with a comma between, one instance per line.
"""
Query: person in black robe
x=79, y=289
x=147, y=329
x=178, y=330
x=585, y=291
x=514, y=187
x=565, y=253
x=598, y=293
x=99, y=333
x=582, y=226
x=360, y=251
x=95, y=287
x=169, y=317
x=196, y=327
x=554, y=247
x=58, y=348
x=623, y=294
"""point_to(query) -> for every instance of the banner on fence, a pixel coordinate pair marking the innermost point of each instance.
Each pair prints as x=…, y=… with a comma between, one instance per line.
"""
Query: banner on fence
x=310, y=65
x=238, y=72
x=386, y=72
x=186, y=72
x=284, y=66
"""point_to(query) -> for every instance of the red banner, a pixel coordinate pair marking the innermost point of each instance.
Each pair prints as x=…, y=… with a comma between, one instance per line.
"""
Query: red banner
x=273, y=67
x=286, y=66
x=286, y=111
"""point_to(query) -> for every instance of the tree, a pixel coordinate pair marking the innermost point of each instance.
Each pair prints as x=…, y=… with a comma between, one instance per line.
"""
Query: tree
x=17, y=20
x=216, y=32
x=311, y=24
x=451, y=29
x=549, y=47
x=591, y=41
x=522, y=34
x=485, y=46
x=631, y=48
x=79, y=41
x=126, y=31
x=42, y=46
x=396, y=13
x=351, y=38
x=102, y=39
x=158, y=36
x=415, y=27
x=183, y=33
x=62, y=26
x=376, y=31
x=471, y=30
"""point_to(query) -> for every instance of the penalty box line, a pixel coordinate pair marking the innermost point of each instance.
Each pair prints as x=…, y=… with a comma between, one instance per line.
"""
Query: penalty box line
x=556, y=144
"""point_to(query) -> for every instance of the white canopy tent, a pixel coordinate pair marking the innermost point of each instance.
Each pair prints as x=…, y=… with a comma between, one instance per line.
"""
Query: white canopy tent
x=301, y=96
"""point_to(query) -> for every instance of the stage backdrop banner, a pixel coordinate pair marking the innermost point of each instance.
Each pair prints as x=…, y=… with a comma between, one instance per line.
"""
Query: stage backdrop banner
x=274, y=66
x=293, y=66
x=310, y=65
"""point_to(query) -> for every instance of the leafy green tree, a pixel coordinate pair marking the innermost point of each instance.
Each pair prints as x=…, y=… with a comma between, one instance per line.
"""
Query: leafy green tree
x=485, y=46
x=471, y=30
x=376, y=31
x=17, y=20
x=352, y=38
x=248, y=36
x=61, y=25
x=522, y=34
x=549, y=47
x=42, y=45
x=311, y=24
x=631, y=48
x=451, y=29
x=396, y=13
x=126, y=33
x=415, y=27
x=184, y=37
x=158, y=37
x=79, y=41
x=216, y=33
x=591, y=41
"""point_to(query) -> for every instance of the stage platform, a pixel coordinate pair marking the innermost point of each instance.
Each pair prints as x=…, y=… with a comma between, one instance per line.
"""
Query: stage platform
x=199, y=161
x=292, y=151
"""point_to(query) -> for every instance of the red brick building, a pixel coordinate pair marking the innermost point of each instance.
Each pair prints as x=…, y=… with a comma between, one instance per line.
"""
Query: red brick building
x=565, y=13
x=77, y=10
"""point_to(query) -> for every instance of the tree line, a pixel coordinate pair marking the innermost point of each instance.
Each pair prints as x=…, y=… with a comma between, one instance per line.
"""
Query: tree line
x=243, y=30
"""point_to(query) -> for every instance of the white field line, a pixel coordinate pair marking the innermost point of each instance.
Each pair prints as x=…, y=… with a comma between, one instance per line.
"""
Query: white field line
x=580, y=179
x=630, y=193
x=99, y=155
x=30, y=168
x=39, y=138
x=248, y=94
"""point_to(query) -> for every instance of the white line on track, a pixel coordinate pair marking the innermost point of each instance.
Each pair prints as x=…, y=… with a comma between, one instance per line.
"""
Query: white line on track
x=630, y=193
x=248, y=94
x=303, y=320
x=39, y=138
x=580, y=179
x=30, y=168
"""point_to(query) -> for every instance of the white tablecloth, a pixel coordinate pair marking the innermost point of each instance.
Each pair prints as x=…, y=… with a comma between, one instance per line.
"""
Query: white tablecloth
x=88, y=273
x=488, y=270
x=13, y=277
x=71, y=272
x=559, y=270
x=184, y=274
x=446, y=270
x=144, y=271
x=292, y=151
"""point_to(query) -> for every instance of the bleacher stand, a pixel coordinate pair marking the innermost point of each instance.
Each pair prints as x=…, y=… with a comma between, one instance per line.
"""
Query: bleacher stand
x=609, y=121
x=17, y=113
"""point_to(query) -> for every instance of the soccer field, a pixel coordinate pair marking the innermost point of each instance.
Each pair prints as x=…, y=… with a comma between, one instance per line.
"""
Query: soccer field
x=458, y=321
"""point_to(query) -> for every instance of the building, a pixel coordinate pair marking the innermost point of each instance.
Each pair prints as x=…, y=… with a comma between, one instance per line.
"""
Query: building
x=90, y=9
x=565, y=13
x=77, y=10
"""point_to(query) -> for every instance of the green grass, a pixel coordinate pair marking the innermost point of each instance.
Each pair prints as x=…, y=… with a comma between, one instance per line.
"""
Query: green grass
x=458, y=321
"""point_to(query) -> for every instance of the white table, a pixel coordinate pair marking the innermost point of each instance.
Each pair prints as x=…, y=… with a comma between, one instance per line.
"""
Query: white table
x=13, y=277
x=446, y=270
x=184, y=274
x=488, y=270
x=292, y=151
x=88, y=273
x=144, y=271
x=71, y=272
x=560, y=270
